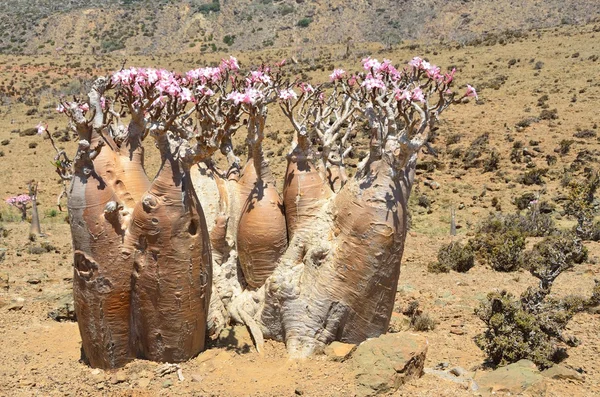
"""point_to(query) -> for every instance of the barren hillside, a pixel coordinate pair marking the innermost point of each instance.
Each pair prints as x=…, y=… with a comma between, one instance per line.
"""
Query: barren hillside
x=159, y=27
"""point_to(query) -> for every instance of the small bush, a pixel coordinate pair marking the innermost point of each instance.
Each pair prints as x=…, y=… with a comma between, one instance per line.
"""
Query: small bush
x=532, y=327
x=585, y=134
x=580, y=205
x=304, y=22
x=533, y=177
x=419, y=321
x=564, y=146
x=453, y=256
x=549, y=114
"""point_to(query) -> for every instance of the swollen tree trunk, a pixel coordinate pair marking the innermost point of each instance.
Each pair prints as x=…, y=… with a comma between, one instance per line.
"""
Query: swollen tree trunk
x=171, y=267
x=337, y=279
x=142, y=255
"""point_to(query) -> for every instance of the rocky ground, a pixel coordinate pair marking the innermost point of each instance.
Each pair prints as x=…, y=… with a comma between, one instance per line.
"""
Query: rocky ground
x=552, y=69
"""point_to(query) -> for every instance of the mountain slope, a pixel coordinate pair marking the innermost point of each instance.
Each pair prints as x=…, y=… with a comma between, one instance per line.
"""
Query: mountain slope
x=163, y=26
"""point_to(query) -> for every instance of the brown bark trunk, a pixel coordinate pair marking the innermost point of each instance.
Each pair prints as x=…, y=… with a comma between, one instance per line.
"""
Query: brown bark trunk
x=261, y=235
x=101, y=283
x=171, y=282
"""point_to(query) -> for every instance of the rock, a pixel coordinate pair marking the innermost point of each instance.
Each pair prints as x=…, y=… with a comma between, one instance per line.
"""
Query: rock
x=34, y=281
x=514, y=378
x=144, y=382
x=64, y=309
x=16, y=304
x=166, y=384
x=338, y=351
x=399, y=322
x=197, y=378
x=432, y=184
x=298, y=391
x=381, y=365
x=2, y=254
x=562, y=372
x=118, y=378
x=458, y=371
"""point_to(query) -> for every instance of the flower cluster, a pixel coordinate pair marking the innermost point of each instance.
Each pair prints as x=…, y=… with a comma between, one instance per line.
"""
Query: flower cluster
x=19, y=200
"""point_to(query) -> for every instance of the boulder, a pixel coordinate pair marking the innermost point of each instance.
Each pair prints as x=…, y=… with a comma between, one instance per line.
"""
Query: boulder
x=562, y=372
x=64, y=309
x=381, y=365
x=514, y=379
x=338, y=351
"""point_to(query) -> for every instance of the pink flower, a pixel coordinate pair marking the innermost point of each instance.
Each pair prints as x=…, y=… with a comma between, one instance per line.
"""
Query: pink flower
x=287, y=94
x=41, y=128
x=433, y=72
x=403, y=95
x=186, y=95
x=387, y=67
x=415, y=62
x=337, y=74
x=60, y=108
x=281, y=63
x=230, y=64
x=370, y=63
x=259, y=77
x=160, y=101
x=251, y=96
x=235, y=97
x=137, y=90
x=84, y=107
x=448, y=77
x=204, y=91
x=471, y=92
x=306, y=88
x=373, y=82
x=103, y=103
x=20, y=199
x=417, y=95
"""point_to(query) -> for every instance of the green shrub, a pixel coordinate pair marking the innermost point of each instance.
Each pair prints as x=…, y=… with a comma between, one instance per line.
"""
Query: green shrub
x=580, y=205
x=532, y=327
x=533, y=177
x=453, y=256
x=206, y=9
x=229, y=39
x=304, y=22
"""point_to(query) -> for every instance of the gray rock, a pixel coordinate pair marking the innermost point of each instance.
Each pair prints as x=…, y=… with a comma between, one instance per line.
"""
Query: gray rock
x=514, y=378
x=383, y=364
x=64, y=309
x=562, y=372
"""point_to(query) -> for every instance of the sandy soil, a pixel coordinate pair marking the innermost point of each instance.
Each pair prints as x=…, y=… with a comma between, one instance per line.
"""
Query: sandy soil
x=40, y=356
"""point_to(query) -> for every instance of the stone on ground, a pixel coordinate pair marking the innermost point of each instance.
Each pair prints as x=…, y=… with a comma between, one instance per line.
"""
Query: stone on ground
x=338, y=351
x=514, y=379
x=562, y=372
x=381, y=365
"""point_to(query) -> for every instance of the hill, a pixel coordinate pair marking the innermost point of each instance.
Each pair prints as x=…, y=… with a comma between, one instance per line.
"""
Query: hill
x=165, y=26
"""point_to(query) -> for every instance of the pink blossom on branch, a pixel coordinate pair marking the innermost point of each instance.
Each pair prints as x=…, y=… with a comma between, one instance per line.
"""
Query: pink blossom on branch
x=415, y=62
x=287, y=94
x=230, y=64
x=19, y=200
x=306, y=88
x=371, y=63
x=373, y=82
x=337, y=74
x=471, y=92
x=41, y=128
x=417, y=95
